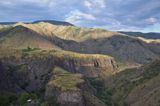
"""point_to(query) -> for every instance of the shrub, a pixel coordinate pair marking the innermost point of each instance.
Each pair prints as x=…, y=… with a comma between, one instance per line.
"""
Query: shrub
x=22, y=98
x=103, y=93
x=7, y=99
x=29, y=49
x=4, y=101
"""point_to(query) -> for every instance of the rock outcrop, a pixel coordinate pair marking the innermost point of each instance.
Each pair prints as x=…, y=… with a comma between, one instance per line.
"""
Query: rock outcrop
x=31, y=71
x=90, y=67
x=69, y=89
x=63, y=86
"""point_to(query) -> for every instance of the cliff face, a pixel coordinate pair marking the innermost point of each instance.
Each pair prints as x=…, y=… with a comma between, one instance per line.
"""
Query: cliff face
x=28, y=74
x=70, y=90
x=65, y=88
x=7, y=80
x=32, y=71
x=67, y=98
x=91, y=67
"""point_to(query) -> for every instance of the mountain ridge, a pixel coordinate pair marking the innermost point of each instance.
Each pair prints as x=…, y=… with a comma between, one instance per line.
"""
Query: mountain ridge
x=22, y=37
x=149, y=35
x=38, y=21
x=96, y=41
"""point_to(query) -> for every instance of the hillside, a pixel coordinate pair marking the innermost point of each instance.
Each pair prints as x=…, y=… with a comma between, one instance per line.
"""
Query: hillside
x=137, y=86
x=22, y=37
x=58, y=64
x=97, y=41
x=51, y=76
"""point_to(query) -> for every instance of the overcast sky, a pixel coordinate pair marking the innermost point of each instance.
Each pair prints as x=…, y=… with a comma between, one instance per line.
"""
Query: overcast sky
x=128, y=15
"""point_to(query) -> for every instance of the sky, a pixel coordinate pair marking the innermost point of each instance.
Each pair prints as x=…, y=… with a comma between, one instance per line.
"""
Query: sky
x=116, y=15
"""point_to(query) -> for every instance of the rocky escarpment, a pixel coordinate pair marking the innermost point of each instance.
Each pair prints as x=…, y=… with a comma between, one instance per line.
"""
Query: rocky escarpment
x=90, y=67
x=31, y=71
x=63, y=86
x=36, y=66
x=67, y=89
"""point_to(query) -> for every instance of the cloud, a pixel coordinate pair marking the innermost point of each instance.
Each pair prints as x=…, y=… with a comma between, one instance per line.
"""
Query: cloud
x=94, y=4
x=152, y=20
x=109, y=14
x=77, y=16
x=88, y=4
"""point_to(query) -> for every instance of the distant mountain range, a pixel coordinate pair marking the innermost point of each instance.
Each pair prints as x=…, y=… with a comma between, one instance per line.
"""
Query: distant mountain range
x=151, y=35
x=48, y=21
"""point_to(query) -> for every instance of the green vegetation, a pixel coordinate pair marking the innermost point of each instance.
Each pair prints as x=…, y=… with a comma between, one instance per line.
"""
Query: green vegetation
x=29, y=49
x=16, y=100
x=7, y=99
x=122, y=65
x=37, y=98
x=52, y=101
x=126, y=81
x=22, y=98
x=37, y=52
x=65, y=80
x=103, y=93
x=4, y=100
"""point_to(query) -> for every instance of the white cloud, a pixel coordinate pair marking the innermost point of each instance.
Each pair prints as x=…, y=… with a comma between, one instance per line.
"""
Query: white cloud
x=77, y=16
x=88, y=4
x=152, y=20
x=94, y=4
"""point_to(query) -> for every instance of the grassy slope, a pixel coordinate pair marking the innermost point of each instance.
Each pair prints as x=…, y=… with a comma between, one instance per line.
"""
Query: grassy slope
x=85, y=40
x=64, y=80
x=69, y=32
x=146, y=93
x=90, y=40
x=132, y=87
x=5, y=52
x=21, y=37
x=131, y=82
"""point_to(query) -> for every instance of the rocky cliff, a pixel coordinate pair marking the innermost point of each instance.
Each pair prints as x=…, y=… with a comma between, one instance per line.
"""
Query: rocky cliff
x=30, y=71
x=64, y=87
x=70, y=90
